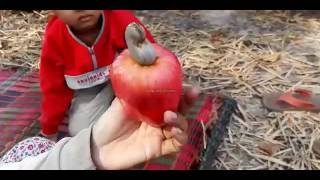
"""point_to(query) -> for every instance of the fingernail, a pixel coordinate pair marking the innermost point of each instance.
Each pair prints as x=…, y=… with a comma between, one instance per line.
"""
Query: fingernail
x=174, y=116
x=195, y=91
x=171, y=116
x=178, y=130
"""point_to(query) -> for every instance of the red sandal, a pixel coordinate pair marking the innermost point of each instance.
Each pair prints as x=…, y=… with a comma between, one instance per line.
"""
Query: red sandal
x=296, y=100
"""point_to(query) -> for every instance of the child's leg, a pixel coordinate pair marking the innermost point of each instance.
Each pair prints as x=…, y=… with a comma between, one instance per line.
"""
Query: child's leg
x=87, y=106
x=29, y=147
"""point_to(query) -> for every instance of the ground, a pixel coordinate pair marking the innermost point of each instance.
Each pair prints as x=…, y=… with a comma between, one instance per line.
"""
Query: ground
x=243, y=54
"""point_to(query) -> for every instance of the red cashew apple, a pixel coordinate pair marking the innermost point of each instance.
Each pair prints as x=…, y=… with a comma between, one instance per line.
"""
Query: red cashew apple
x=146, y=77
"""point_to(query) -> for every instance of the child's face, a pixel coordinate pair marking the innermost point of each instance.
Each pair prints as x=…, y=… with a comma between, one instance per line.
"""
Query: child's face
x=79, y=20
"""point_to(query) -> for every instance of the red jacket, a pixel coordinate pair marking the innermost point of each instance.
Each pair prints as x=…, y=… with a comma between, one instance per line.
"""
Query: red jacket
x=67, y=64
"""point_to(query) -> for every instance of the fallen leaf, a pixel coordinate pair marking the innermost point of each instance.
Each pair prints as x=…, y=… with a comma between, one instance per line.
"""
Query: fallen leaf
x=269, y=148
x=247, y=43
x=217, y=36
x=178, y=12
x=316, y=146
x=312, y=58
x=272, y=58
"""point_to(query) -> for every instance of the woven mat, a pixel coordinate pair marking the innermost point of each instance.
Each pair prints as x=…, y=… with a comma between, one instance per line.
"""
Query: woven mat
x=211, y=111
x=19, y=107
x=20, y=111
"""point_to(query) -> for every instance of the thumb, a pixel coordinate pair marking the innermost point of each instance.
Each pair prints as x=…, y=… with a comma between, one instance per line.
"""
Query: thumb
x=170, y=146
x=109, y=123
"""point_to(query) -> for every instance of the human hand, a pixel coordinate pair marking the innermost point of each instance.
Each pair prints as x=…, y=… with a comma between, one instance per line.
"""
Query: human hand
x=121, y=143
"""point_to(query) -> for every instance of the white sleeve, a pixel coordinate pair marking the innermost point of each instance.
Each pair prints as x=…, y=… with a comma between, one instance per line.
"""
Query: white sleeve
x=68, y=154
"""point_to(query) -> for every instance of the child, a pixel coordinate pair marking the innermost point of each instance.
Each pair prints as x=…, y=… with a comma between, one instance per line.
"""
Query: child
x=78, y=48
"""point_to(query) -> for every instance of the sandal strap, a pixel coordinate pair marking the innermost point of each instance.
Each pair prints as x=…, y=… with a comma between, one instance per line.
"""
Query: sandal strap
x=293, y=101
x=303, y=92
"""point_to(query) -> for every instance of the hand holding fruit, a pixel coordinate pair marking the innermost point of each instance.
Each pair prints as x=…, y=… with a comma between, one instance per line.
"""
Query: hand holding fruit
x=119, y=142
x=141, y=124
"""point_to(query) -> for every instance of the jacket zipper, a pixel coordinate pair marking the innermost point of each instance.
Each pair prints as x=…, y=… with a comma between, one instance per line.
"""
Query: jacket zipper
x=91, y=50
x=93, y=58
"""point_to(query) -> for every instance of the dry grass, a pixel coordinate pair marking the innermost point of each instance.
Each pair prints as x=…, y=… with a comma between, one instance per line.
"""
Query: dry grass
x=20, y=38
x=267, y=51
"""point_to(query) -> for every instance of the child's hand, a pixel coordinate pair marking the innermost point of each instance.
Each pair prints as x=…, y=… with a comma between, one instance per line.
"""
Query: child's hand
x=121, y=143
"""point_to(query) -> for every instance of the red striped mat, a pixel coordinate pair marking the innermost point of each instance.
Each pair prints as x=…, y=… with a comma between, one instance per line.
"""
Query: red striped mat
x=19, y=106
x=20, y=110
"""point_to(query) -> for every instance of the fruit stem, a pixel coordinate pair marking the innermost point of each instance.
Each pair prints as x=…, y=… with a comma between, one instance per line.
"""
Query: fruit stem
x=139, y=46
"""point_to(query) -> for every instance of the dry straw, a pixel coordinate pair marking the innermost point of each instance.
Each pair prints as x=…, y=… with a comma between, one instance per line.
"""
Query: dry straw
x=263, y=52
